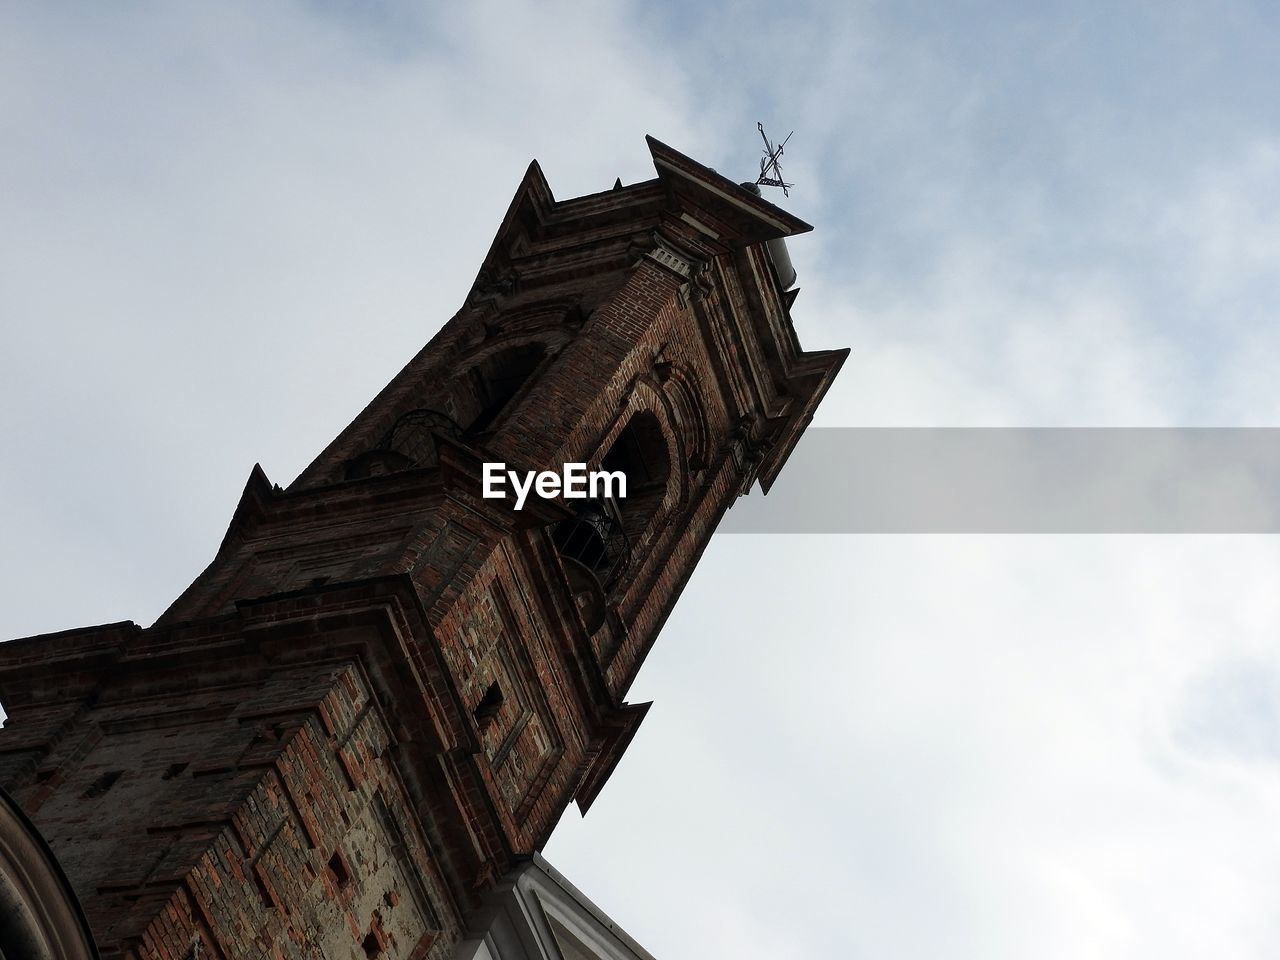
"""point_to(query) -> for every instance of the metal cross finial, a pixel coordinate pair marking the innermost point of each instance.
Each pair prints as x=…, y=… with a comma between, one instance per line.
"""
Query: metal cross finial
x=770, y=170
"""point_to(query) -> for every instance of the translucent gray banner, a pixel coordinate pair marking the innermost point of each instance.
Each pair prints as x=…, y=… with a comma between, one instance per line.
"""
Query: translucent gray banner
x=1086, y=480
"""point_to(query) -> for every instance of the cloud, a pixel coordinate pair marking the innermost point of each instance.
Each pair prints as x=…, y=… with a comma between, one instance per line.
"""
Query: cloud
x=229, y=225
x=976, y=760
x=1231, y=712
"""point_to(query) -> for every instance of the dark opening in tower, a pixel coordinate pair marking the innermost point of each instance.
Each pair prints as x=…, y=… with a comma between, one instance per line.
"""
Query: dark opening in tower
x=411, y=442
x=640, y=453
x=494, y=381
x=597, y=542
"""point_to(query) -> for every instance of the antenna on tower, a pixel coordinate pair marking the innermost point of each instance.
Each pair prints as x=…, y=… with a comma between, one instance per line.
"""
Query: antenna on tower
x=770, y=169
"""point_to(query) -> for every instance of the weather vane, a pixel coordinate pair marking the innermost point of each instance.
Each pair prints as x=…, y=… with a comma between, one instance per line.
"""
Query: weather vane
x=770, y=170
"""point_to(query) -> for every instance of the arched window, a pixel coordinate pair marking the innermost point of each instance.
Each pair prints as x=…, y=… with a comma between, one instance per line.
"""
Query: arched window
x=640, y=452
x=414, y=436
x=475, y=398
x=411, y=442
x=602, y=534
x=491, y=383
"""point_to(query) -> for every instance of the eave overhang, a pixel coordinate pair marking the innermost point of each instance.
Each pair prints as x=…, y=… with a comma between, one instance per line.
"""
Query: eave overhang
x=737, y=216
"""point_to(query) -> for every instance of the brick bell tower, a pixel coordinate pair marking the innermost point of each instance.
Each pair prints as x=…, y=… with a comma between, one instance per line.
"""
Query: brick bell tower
x=385, y=689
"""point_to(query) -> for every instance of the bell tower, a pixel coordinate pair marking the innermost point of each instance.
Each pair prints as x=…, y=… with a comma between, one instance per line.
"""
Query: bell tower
x=386, y=687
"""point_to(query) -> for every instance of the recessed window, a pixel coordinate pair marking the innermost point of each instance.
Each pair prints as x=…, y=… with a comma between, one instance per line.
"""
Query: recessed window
x=640, y=451
x=496, y=380
x=486, y=710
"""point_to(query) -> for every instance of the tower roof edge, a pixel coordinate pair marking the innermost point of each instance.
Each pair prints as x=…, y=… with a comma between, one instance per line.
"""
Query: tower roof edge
x=753, y=217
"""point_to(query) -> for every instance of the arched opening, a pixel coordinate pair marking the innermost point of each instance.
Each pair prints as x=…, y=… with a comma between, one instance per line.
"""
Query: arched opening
x=494, y=381
x=414, y=435
x=596, y=544
x=640, y=452
x=40, y=918
x=411, y=442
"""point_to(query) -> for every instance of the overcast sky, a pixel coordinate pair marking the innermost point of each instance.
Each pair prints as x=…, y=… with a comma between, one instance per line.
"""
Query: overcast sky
x=226, y=225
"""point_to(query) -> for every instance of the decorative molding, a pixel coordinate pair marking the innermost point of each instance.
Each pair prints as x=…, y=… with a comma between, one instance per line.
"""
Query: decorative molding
x=671, y=258
x=639, y=248
x=492, y=284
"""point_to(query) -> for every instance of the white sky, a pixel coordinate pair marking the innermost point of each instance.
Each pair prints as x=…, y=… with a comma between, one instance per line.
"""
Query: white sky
x=896, y=748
